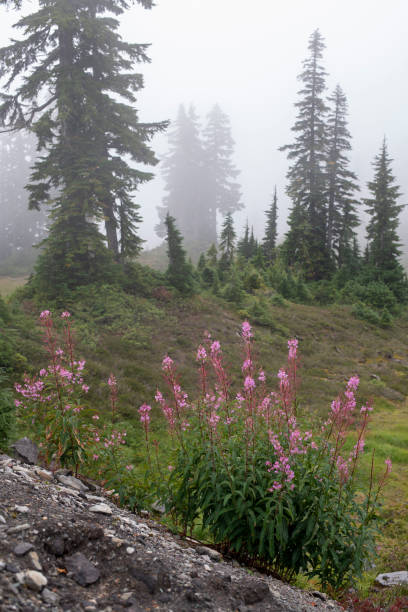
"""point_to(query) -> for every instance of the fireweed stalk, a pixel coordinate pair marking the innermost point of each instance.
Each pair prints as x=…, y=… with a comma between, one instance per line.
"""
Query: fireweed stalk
x=53, y=405
x=275, y=493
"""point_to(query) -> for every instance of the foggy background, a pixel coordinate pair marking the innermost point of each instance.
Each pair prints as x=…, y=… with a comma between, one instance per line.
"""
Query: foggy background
x=246, y=56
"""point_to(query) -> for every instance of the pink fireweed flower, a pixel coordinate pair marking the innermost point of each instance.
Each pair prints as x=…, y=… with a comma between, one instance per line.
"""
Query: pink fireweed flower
x=45, y=314
x=95, y=457
x=129, y=468
x=246, y=331
x=85, y=388
x=167, y=363
x=358, y=448
x=17, y=403
x=65, y=314
x=367, y=408
x=213, y=420
x=43, y=372
x=95, y=417
x=261, y=376
x=292, y=345
x=112, y=381
x=81, y=365
x=201, y=353
x=77, y=409
x=388, y=465
x=353, y=383
x=215, y=348
x=249, y=384
x=170, y=468
x=59, y=352
x=247, y=365
x=144, y=414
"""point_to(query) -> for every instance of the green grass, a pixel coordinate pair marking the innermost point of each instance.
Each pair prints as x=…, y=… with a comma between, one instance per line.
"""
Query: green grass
x=129, y=335
x=9, y=284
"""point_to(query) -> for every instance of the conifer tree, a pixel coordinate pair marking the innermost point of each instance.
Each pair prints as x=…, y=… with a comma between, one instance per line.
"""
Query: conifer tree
x=221, y=189
x=184, y=177
x=342, y=218
x=269, y=241
x=306, y=241
x=74, y=88
x=243, y=247
x=227, y=240
x=383, y=247
x=179, y=271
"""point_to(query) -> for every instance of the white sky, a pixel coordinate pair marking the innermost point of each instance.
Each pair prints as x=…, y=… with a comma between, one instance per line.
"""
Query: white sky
x=246, y=56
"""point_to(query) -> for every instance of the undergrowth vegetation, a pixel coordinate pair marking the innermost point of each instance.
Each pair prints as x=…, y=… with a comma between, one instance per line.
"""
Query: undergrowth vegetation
x=247, y=468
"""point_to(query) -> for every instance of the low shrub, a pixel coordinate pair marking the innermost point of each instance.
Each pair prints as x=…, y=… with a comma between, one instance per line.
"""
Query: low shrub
x=265, y=488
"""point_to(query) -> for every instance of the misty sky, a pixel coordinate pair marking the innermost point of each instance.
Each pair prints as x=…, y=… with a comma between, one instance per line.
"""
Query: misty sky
x=246, y=56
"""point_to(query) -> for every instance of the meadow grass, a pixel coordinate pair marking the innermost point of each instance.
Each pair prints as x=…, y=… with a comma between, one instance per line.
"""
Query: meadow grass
x=9, y=284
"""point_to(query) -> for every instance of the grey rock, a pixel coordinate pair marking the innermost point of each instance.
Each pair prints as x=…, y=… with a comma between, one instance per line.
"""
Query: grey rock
x=23, y=548
x=71, y=481
x=33, y=579
x=35, y=560
x=26, y=450
x=44, y=475
x=212, y=554
x=2, y=565
x=49, y=597
x=83, y=571
x=158, y=507
x=101, y=509
x=5, y=460
x=18, y=528
x=393, y=579
x=2, y=519
x=22, y=509
x=253, y=591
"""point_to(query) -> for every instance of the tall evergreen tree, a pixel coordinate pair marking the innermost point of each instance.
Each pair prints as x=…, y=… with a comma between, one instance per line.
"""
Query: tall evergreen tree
x=342, y=217
x=383, y=208
x=74, y=87
x=223, y=193
x=271, y=231
x=183, y=172
x=179, y=271
x=227, y=239
x=306, y=241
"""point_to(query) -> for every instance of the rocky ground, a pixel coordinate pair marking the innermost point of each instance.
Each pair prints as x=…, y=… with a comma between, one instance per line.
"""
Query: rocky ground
x=66, y=546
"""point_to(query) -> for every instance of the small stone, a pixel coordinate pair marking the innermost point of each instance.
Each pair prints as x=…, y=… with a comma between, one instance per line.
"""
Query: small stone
x=210, y=552
x=393, y=579
x=83, y=571
x=26, y=450
x=2, y=565
x=71, y=481
x=18, y=528
x=130, y=550
x=5, y=460
x=23, y=548
x=49, y=597
x=207, y=567
x=117, y=541
x=158, y=507
x=2, y=519
x=101, y=508
x=35, y=560
x=22, y=509
x=45, y=475
x=34, y=580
